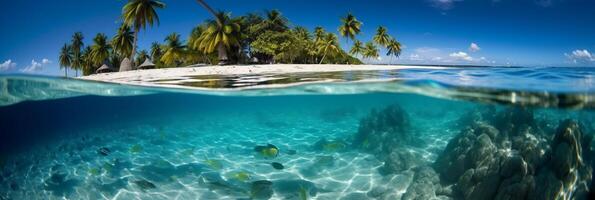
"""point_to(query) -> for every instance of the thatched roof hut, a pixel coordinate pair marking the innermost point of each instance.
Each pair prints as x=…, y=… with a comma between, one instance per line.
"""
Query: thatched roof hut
x=146, y=65
x=104, y=69
x=126, y=65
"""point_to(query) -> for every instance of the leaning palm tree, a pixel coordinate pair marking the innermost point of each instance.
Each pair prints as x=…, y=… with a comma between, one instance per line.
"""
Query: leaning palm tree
x=77, y=47
x=65, y=58
x=173, y=50
x=394, y=48
x=221, y=34
x=138, y=14
x=87, y=61
x=100, y=50
x=370, y=51
x=123, y=41
x=381, y=38
x=350, y=27
x=328, y=44
x=357, y=49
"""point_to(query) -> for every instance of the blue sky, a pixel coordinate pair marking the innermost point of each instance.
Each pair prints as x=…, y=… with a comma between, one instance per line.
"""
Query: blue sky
x=475, y=32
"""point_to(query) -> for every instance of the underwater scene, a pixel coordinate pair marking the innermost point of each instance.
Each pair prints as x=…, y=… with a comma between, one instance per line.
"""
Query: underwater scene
x=391, y=142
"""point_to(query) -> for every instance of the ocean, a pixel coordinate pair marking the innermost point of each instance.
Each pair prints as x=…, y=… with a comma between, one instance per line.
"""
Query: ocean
x=452, y=133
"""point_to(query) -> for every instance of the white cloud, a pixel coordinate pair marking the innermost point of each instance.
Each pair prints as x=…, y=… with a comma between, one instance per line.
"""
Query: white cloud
x=461, y=56
x=443, y=4
x=473, y=47
x=45, y=61
x=7, y=65
x=580, y=56
x=34, y=67
x=415, y=57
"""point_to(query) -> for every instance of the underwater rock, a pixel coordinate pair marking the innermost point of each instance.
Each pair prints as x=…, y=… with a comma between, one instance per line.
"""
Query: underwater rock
x=144, y=184
x=380, y=132
x=104, y=151
x=511, y=157
x=424, y=185
x=261, y=189
x=58, y=183
x=399, y=160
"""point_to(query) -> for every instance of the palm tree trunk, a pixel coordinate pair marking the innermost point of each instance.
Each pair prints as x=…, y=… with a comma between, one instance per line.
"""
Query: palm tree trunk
x=222, y=54
x=65, y=71
x=321, y=60
x=134, y=45
x=209, y=9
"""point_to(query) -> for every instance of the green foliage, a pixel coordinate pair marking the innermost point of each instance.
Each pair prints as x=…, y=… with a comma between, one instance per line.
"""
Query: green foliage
x=100, y=50
x=123, y=40
x=140, y=58
x=173, y=51
x=357, y=48
x=65, y=58
x=350, y=27
x=224, y=31
x=382, y=38
x=370, y=51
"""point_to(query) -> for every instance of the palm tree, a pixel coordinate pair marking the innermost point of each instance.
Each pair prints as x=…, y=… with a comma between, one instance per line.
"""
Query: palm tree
x=328, y=43
x=301, y=32
x=122, y=41
x=142, y=55
x=138, y=14
x=370, y=51
x=275, y=21
x=357, y=49
x=381, y=38
x=350, y=27
x=65, y=58
x=77, y=47
x=173, y=50
x=221, y=34
x=156, y=52
x=394, y=48
x=87, y=62
x=318, y=33
x=100, y=50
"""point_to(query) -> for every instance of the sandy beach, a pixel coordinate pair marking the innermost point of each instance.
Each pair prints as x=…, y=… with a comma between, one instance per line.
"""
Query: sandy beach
x=148, y=77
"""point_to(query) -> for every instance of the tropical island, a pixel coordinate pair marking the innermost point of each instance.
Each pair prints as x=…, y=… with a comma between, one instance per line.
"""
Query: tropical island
x=253, y=38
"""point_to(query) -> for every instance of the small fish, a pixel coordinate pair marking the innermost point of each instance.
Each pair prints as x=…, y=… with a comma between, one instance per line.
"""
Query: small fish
x=241, y=176
x=277, y=166
x=291, y=152
x=262, y=189
x=144, y=184
x=136, y=149
x=94, y=171
x=269, y=151
x=334, y=146
x=215, y=164
x=303, y=195
x=104, y=151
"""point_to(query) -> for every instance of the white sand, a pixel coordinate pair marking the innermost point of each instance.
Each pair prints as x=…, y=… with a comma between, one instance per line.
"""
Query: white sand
x=144, y=77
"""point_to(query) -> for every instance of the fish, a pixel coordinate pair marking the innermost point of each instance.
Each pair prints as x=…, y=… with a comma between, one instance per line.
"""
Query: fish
x=94, y=171
x=269, y=151
x=144, y=184
x=104, y=151
x=334, y=146
x=136, y=149
x=277, y=165
x=303, y=195
x=291, y=152
x=215, y=164
x=261, y=189
x=240, y=176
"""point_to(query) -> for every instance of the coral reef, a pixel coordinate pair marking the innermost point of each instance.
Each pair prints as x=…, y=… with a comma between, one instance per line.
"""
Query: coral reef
x=382, y=131
x=512, y=158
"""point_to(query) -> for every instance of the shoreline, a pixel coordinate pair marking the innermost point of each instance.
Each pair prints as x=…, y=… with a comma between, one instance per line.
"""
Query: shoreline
x=147, y=77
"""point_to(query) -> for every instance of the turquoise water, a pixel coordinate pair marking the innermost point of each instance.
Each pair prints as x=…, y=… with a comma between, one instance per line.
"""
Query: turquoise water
x=518, y=133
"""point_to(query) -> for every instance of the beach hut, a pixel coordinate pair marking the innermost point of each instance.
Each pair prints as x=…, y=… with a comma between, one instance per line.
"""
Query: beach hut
x=126, y=65
x=104, y=69
x=146, y=65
